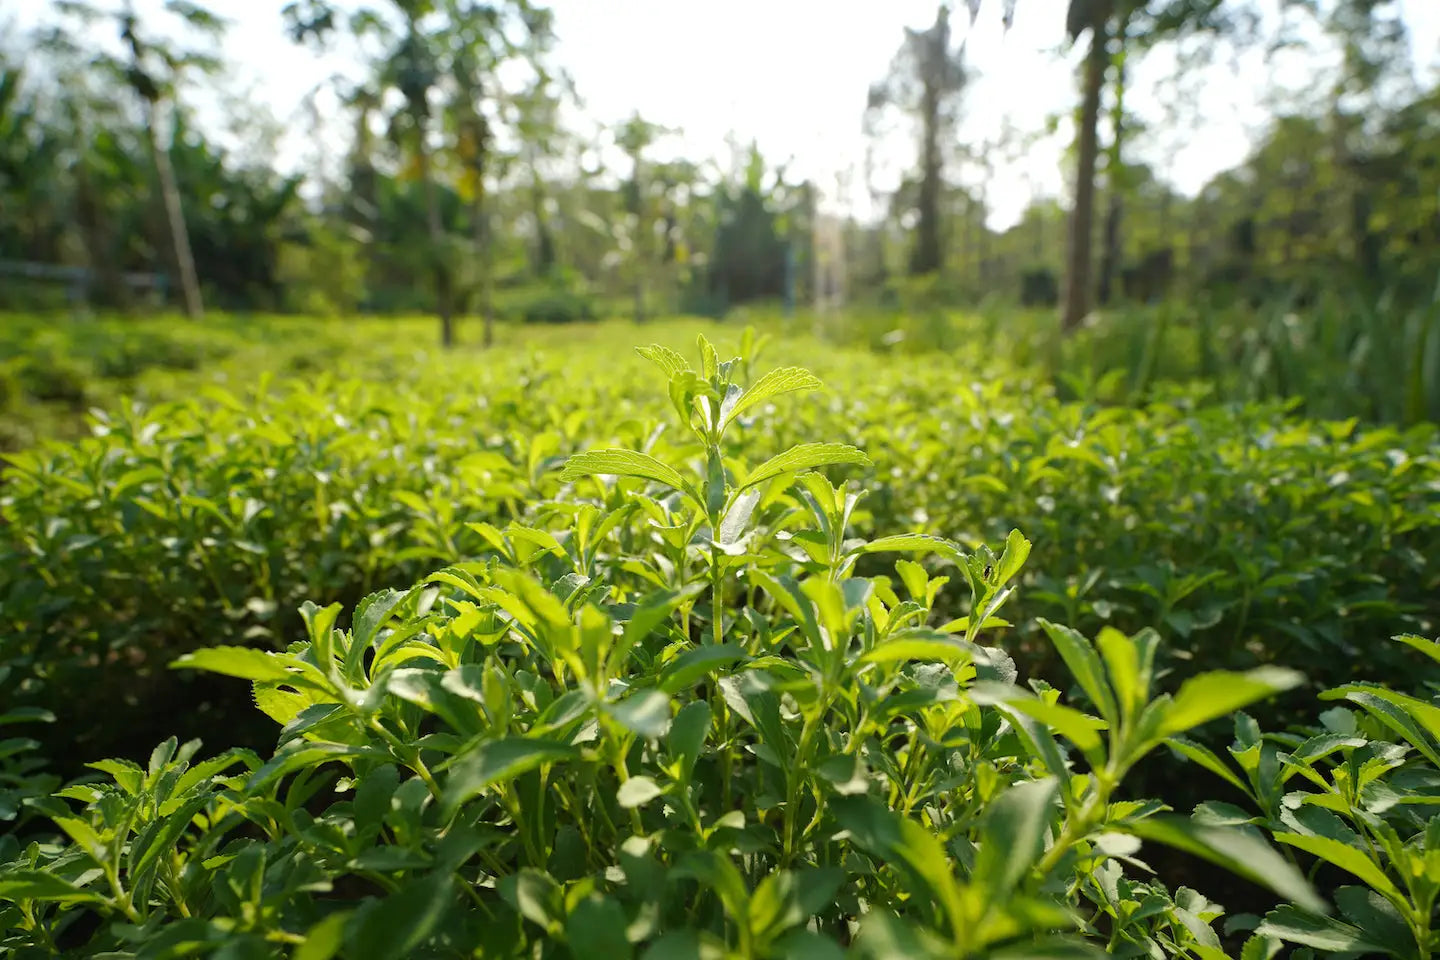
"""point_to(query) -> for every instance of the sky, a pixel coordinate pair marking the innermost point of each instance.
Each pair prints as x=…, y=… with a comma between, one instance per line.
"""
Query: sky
x=793, y=75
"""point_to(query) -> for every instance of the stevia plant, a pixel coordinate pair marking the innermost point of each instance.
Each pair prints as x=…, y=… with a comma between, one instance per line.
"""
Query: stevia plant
x=676, y=724
x=1352, y=798
x=1245, y=535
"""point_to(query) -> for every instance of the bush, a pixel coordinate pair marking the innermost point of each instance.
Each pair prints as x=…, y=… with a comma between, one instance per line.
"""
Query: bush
x=1248, y=537
x=614, y=736
x=667, y=715
x=1039, y=288
x=557, y=306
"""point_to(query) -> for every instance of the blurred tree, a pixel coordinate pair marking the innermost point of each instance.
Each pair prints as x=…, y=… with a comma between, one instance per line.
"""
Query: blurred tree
x=152, y=68
x=926, y=80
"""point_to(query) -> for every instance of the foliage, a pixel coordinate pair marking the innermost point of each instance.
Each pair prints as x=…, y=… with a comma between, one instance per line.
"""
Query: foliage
x=1249, y=538
x=663, y=716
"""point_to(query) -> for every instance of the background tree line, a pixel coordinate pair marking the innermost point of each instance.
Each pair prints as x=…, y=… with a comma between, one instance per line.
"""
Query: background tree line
x=460, y=189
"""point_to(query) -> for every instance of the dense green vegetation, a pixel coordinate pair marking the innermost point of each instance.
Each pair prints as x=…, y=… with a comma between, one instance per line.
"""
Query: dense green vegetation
x=597, y=727
x=745, y=570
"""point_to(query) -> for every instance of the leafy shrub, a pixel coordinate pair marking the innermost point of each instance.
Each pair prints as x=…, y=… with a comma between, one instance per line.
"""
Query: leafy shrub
x=557, y=306
x=1246, y=536
x=1039, y=288
x=667, y=719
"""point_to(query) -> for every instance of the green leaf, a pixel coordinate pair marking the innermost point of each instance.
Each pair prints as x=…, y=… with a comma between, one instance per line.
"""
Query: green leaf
x=773, y=384
x=915, y=543
x=803, y=457
x=1121, y=654
x=246, y=663
x=1430, y=648
x=1347, y=858
x=1079, y=728
x=1222, y=692
x=687, y=669
x=324, y=939
x=807, y=945
x=1239, y=850
x=595, y=930
x=1017, y=550
x=687, y=735
x=646, y=713
x=637, y=791
x=16, y=885
x=396, y=926
x=1085, y=666
x=1418, y=722
x=1294, y=925
x=884, y=936
x=536, y=895
x=1013, y=835
x=618, y=462
x=499, y=761
x=918, y=644
x=664, y=358
x=787, y=899
x=737, y=518
x=892, y=837
x=26, y=715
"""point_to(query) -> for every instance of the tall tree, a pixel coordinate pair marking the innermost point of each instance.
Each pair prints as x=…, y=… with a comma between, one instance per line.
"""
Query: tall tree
x=152, y=69
x=1092, y=16
x=926, y=80
x=635, y=137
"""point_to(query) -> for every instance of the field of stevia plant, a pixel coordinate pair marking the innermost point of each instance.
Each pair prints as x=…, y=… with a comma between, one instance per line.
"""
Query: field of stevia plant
x=755, y=649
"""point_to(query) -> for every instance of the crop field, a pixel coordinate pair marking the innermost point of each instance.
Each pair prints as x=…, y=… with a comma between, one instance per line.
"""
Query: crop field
x=676, y=639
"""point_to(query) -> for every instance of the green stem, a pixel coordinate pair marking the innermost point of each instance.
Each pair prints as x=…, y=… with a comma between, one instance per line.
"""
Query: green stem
x=409, y=756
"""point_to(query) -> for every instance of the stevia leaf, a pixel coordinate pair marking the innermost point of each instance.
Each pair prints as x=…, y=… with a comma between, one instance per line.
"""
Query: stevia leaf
x=1085, y=666
x=595, y=930
x=1205, y=757
x=918, y=644
x=773, y=384
x=1014, y=835
x=1347, y=858
x=687, y=734
x=1221, y=693
x=915, y=543
x=617, y=462
x=499, y=761
x=884, y=936
x=397, y=925
x=666, y=359
x=687, y=669
x=637, y=791
x=324, y=939
x=1017, y=550
x=245, y=663
x=18, y=885
x=1239, y=850
x=806, y=456
x=1293, y=925
x=645, y=714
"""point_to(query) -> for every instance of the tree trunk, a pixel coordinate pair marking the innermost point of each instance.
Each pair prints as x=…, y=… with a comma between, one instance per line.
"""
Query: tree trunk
x=174, y=218
x=487, y=269
x=1082, y=218
x=437, y=243
x=926, y=258
x=1115, y=174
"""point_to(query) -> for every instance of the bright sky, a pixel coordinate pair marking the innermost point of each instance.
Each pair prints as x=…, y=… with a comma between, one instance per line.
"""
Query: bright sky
x=794, y=74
